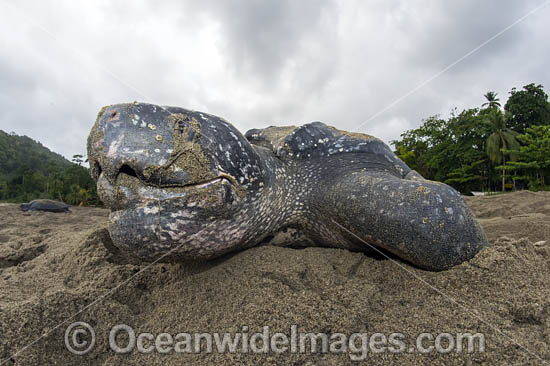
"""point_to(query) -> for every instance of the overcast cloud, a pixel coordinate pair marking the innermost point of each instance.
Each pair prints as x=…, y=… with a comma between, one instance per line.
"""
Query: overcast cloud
x=260, y=63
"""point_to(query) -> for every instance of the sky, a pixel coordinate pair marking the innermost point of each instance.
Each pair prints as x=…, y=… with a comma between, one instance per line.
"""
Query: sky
x=378, y=67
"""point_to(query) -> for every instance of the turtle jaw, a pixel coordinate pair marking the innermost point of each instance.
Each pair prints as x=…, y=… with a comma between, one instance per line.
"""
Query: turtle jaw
x=158, y=220
x=130, y=193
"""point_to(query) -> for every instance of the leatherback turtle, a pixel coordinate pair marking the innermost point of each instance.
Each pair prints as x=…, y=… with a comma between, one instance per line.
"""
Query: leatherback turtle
x=45, y=205
x=182, y=184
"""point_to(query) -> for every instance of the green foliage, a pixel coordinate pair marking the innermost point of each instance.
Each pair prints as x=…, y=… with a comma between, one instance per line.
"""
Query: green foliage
x=533, y=161
x=78, y=159
x=501, y=139
x=466, y=174
x=28, y=171
x=502, y=143
x=450, y=151
x=493, y=100
x=528, y=107
x=482, y=149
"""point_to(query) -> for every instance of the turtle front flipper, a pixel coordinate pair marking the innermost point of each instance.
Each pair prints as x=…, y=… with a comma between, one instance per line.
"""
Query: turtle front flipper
x=424, y=222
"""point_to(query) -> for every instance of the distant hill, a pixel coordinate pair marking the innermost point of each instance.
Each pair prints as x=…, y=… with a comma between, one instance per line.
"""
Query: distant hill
x=17, y=151
x=29, y=170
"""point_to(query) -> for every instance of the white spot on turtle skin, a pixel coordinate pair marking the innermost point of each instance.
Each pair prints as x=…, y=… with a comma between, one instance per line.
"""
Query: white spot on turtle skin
x=449, y=210
x=152, y=126
x=173, y=226
x=157, y=150
x=127, y=150
x=184, y=214
x=113, y=148
x=151, y=210
x=169, y=151
x=143, y=124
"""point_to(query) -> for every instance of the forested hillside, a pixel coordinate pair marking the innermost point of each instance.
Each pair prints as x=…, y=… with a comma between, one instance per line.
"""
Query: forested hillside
x=29, y=170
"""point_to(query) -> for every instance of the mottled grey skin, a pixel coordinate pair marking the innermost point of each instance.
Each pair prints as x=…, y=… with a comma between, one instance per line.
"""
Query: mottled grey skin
x=45, y=205
x=183, y=184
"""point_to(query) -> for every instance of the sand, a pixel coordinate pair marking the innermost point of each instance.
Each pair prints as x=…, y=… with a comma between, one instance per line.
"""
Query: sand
x=54, y=265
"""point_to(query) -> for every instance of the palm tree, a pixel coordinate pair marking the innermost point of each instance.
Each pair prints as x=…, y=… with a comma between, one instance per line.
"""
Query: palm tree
x=501, y=139
x=493, y=101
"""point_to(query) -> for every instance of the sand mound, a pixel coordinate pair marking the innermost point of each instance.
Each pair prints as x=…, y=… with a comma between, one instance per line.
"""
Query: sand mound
x=519, y=215
x=54, y=265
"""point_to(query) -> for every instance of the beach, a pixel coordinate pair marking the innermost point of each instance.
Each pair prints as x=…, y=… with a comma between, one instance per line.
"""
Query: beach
x=56, y=269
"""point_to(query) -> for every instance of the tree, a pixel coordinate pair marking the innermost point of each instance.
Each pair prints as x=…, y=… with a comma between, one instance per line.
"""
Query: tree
x=29, y=171
x=476, y=148
x=528, y=107
x=493, y=101
x=502, y=142
x=416, y=145
x=450, y=151
x=533, y=156
x=78, y=159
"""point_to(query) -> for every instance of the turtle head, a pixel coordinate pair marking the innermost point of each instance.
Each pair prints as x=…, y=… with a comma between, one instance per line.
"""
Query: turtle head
x=24, y=206
x=173, y=178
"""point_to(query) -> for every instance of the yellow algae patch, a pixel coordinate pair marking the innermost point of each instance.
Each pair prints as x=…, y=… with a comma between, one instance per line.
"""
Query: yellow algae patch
x=357, y=135
x=187, y=153
x=423, y=189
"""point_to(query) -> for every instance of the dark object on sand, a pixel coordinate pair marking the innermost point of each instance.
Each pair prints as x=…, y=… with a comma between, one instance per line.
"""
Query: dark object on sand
x=45, y=205
x=183, y=184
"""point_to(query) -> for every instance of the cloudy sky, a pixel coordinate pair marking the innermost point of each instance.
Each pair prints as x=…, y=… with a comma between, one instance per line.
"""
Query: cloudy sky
x=358, y=65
